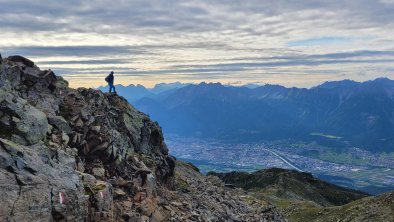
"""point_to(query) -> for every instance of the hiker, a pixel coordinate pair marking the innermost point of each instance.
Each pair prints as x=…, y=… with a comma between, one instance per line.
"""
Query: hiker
x=110, y=80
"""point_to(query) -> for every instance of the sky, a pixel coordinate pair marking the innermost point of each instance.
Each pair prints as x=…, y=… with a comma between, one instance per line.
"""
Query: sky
x=292, y=43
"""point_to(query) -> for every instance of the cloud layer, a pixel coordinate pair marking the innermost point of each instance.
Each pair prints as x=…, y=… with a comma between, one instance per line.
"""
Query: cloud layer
x=295, y=43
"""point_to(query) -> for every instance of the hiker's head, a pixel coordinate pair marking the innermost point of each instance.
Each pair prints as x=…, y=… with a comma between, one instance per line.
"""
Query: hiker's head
x=112, y=72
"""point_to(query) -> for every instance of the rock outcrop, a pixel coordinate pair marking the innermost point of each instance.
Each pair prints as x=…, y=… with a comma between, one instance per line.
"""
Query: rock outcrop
x=83, y=155
x=205, y=198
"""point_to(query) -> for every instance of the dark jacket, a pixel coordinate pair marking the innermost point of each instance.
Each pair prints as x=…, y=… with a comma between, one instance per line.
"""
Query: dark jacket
x=110, y=78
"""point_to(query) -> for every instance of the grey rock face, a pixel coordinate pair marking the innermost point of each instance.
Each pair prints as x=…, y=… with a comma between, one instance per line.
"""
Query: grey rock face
x=53, y=138
x=20, y=121
x=60, y=124
x=33, y=183
x=41, y=88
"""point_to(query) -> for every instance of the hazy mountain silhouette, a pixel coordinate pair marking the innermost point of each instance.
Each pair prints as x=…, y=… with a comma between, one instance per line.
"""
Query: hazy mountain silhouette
x=362, y=114
x=136, y=92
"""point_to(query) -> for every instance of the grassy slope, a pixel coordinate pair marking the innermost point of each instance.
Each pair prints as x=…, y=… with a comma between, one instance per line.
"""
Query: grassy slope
x=292, y=185
x=379, y=208
x=302, y=198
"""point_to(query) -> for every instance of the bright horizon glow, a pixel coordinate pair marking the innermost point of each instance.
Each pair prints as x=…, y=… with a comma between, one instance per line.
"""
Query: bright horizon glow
x=300, y=43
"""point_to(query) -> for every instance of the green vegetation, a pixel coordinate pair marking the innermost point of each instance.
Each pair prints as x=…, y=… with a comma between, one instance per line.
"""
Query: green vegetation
x=182, y=184
x=293, y=185
x=379, y=208
x=344, y=157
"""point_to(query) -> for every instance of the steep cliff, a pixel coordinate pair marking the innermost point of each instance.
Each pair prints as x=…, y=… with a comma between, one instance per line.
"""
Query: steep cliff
x=83, y=155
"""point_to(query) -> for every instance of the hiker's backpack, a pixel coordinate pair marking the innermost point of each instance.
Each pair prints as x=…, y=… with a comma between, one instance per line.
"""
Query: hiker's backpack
x=107, y=78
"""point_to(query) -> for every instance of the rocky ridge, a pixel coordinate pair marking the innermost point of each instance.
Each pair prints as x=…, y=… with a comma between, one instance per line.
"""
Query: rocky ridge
x=301, y=197
x=292, y=185
x=83, y=155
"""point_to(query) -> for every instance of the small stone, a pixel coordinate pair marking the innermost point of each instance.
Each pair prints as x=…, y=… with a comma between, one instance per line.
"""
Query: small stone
x=55, y=145
x=177, y=204
x=140, y=196
x=79, y=123
x=65, y=138
x=127, y=204
x=60, y=123
x=144, y=219
x=160, y=216
x=5, y=120
x=186, y=204
x=80, y=167
x=85, y=114
x=95, y=129
x=74, y=118
x=150, y=183
x=54, y=138
x=119, y=192
x=15, y=119
x=88, y=179
x=98, y=172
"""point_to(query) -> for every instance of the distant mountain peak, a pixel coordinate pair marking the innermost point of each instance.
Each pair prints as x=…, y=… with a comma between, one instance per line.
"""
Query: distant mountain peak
x=382, y=80
x=210, y=84
x=336, y=84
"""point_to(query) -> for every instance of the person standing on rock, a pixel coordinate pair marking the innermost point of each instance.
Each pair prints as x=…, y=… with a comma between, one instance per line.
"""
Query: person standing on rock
x=110, y=80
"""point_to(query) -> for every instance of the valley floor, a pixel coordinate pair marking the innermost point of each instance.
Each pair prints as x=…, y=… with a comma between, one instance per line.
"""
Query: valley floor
x=353, y=168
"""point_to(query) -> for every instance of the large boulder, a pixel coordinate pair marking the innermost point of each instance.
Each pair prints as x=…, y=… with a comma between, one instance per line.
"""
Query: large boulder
x=41, y=88
x=22, y=60
x=21, y=122
x=36, y=185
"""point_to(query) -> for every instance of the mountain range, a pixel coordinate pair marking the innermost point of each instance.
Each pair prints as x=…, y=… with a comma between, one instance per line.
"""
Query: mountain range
x=340, y=113
x=135, y=92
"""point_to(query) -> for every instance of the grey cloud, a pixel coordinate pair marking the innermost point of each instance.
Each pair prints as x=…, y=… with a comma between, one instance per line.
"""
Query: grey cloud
x=123, y=16
x=73, y=50
x=236, y=27
x=101, y=50
x=132, y=72
x=307, y=60
x=167, y=18
x=362, y=53
x=178, y=16
x=299, y=62
x=87, y=62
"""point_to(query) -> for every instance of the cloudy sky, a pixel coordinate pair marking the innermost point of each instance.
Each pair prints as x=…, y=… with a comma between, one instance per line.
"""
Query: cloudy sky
x=293, y=43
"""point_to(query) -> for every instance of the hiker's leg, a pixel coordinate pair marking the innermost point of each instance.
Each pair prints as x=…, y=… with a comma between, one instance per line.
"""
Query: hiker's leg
x=110, y=87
